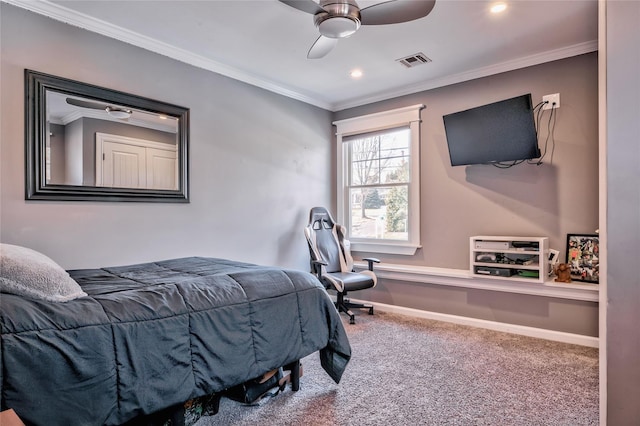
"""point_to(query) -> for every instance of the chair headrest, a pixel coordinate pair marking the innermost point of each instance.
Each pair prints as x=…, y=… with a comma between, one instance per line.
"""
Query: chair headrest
x=320, y=218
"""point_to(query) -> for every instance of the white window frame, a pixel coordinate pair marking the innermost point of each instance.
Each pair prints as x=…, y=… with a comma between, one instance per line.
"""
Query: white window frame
x=401, y=117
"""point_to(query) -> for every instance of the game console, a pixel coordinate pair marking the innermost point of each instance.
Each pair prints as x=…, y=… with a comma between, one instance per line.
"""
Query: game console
x=496, y=272
x=525, y=245
x=492, y=245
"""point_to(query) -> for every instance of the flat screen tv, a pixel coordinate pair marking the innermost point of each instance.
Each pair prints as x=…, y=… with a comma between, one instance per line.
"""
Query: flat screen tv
x=503, y=131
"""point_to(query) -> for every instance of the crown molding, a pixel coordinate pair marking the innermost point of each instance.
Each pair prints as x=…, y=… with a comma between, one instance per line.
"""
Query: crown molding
x=524, y=62
x=81, y=20
x=71, y=17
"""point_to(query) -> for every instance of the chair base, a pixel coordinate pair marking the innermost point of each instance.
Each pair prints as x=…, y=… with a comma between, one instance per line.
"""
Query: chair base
x=343, y=305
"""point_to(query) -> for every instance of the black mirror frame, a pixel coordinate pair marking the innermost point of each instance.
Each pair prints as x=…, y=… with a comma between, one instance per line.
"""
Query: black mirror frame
x=36, y=85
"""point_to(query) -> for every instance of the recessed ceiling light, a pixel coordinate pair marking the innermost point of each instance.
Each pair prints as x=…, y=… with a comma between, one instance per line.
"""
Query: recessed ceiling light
x=498, y=8
x=356, y=73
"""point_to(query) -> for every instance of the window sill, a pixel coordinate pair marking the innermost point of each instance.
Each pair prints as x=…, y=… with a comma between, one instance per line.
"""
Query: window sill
x=463, y=278
x=385, y=248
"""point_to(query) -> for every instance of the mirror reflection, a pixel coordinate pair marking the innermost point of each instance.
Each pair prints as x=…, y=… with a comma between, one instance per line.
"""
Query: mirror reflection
x=86, y=142
x=91, y=143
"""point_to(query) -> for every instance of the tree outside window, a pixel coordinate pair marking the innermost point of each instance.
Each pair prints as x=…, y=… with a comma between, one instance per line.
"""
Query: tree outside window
x=379, y=184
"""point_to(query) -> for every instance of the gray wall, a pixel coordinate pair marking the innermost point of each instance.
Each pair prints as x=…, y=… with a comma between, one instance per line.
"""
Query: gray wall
x=91, y=126
x=623, y=212
x=56, y=141
x=550, y=200
x=459, y=202
x=259, y=161
x=73, y=161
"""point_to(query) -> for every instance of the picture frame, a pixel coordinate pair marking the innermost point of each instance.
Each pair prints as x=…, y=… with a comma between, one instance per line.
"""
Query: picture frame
x=583, y=257
x=554, y=258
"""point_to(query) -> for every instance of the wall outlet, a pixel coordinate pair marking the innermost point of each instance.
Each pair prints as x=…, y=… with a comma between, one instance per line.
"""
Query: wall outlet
x=551, y=101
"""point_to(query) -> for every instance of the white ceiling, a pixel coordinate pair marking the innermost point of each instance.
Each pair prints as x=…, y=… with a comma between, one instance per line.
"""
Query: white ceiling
x=265, y=42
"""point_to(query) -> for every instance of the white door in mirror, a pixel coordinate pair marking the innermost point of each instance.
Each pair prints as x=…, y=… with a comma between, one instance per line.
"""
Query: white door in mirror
x=123, y=162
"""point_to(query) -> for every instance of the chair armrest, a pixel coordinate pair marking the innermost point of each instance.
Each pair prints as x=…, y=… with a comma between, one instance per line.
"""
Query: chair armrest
x=371, y=261
x=317, y=267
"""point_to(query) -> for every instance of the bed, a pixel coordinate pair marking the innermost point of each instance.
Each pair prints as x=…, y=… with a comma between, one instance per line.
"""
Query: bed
x=140, y=338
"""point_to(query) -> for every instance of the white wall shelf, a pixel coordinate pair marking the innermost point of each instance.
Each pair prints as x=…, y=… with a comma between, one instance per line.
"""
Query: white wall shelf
x=516, y=258
x=464, y=278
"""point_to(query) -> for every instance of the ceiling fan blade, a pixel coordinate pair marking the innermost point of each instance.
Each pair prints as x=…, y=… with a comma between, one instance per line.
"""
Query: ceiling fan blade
x=321, y=47
x=304, y=5
x=115, y=112
x=396, y=11
x=85, y=104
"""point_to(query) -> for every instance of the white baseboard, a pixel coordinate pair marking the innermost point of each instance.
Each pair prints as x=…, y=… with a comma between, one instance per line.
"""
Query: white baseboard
x=557, y=336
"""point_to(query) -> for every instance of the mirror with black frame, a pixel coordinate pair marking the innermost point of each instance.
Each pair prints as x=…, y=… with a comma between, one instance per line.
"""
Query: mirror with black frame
x=85, y=142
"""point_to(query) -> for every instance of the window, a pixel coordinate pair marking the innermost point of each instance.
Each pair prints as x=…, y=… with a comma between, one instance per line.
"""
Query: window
x=379, y=180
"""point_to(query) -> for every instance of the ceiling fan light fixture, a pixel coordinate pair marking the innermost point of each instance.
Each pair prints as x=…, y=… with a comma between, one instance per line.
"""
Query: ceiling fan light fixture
x=338, y=26
x=121, y=114
x=339, y=19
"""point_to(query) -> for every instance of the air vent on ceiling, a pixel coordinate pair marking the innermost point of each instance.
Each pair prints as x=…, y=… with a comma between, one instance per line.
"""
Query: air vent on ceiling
x=414, y=60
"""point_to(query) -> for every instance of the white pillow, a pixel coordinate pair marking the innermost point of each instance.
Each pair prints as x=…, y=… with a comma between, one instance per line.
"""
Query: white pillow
x=26, y=272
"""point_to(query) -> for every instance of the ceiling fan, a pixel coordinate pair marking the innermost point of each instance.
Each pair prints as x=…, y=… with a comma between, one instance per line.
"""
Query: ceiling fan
x=115, y=112
x=336, y=19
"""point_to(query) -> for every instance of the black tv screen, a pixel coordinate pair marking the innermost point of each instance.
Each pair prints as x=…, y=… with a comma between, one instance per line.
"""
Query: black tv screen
x=503, y=131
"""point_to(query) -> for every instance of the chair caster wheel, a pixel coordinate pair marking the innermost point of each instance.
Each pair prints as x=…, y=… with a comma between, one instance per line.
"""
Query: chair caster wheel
x=352, y=320
x=371, y=310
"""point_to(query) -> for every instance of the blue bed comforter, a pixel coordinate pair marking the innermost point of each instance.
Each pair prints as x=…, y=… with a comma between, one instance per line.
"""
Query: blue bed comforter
x=153, y=335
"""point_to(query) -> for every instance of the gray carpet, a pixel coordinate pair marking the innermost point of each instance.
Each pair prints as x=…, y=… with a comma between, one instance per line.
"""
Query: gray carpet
x=408, y=371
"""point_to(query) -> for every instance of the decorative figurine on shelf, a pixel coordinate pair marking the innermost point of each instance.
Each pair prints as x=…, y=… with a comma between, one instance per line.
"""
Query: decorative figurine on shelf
x=563, y=273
